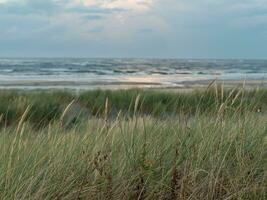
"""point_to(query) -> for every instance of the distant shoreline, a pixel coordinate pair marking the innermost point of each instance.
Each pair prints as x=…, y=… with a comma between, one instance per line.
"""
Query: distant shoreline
x=82, y=85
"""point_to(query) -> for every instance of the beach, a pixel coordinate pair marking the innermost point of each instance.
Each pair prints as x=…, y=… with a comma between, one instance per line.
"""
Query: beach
x=89, y=74
x=133, y=100
x=132, y=129
x=83, y=86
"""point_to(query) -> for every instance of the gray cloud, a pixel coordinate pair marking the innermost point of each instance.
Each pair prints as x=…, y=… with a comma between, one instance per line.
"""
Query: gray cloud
x=171, y=28
x=94, y=17
x=146, y=30
x=39, y=7
x=94, y=10
x=97, y=30
x=31, y=7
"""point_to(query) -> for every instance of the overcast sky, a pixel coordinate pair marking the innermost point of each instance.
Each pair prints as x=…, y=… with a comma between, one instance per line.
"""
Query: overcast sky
x=134, y=28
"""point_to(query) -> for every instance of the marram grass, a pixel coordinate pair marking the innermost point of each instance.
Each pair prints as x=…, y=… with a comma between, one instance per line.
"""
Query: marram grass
x=216, y=153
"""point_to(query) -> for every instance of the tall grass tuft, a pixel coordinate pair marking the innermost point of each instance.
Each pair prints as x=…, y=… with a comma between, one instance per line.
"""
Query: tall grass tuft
x=201, y=145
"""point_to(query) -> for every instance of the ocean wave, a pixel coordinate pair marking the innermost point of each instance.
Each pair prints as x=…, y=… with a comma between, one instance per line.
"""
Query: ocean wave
x=129, y=67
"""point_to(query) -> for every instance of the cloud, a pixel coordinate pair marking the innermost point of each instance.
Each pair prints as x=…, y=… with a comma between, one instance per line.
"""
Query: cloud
x=135, y=27
x=94, y=17
x=92, y=10
x=17, y=7
x=146, y=30
x=136, y=5
x=27, y=7
x=96, y=30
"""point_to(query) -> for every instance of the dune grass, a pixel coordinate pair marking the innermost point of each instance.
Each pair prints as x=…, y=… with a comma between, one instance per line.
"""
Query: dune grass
x=46, y=107
x=158, y=145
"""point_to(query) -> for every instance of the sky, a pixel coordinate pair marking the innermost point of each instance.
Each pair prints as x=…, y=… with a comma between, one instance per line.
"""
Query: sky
x=134, y=28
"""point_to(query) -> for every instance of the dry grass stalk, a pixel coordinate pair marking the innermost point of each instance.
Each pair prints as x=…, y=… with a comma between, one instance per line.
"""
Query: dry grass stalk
x=65, y=112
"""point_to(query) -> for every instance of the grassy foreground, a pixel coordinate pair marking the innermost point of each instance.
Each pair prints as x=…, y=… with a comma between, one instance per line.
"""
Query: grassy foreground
x=134, y=145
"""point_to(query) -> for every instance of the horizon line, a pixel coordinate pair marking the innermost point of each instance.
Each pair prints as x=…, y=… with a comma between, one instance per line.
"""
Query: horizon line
x=130, y=57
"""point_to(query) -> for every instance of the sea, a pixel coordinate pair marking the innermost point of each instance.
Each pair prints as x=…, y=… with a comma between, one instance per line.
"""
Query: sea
x=109, y=73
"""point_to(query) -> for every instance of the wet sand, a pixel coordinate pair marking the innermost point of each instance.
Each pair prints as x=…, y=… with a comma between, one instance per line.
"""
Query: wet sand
x=128, y=84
